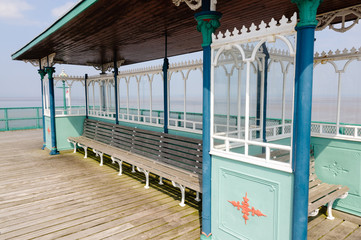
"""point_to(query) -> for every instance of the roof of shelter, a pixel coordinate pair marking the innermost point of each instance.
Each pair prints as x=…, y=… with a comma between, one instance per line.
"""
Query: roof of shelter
x=94, y=30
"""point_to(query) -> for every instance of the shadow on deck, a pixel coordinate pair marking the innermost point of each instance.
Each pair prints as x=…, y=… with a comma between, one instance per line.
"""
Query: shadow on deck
x=69, y=197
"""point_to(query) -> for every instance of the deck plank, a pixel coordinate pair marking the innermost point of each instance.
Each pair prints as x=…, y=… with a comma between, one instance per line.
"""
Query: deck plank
x=341, y=231
x=67, y=196
x=322, y=228
x=356, y=235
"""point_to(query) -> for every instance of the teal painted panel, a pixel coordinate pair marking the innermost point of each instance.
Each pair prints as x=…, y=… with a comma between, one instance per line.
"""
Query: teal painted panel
x=269, y=191
x=185, y=134
x=66, y=127
x=339, y=162
x=102, y=119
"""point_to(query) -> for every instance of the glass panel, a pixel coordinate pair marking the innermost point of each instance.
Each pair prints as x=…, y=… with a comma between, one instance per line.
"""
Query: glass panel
x=176, y=98
x=122, y=98
x=324, y=96
x=350, y=94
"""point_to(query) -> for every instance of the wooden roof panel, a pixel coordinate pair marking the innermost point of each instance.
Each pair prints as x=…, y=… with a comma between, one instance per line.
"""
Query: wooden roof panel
x=134, y=30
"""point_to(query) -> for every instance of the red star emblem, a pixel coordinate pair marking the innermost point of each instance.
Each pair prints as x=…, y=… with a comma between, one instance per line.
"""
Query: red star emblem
x=245, y=208
x=48, y=130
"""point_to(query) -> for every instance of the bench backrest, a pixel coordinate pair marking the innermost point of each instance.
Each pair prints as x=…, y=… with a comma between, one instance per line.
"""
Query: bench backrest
x=182, y=152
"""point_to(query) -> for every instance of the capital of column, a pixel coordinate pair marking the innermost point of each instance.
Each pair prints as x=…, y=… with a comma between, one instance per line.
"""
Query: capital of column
x=208, y=22
x=50, y=71
x=307, y=12
x=42, y=73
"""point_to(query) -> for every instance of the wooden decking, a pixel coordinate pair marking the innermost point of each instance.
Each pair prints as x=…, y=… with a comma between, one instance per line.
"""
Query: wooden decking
x=69, y=197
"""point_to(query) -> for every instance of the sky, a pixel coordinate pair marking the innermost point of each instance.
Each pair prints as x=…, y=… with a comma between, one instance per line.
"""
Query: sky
x=22, y=20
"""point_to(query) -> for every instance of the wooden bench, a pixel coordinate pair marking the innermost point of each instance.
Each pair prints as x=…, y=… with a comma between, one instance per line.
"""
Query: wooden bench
x=173, y=157
x=319, y=193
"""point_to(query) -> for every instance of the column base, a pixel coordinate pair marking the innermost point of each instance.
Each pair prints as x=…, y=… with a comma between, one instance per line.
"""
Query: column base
x=43, y=147
x=204, y=236
x=54, y=152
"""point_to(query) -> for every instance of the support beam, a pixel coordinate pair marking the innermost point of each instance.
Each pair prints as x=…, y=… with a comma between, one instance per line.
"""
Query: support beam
x=50, y=71
x=86, y=95
x=302, y=114
x=42, y=74
x=116, y=90
x=208, y=22
x=265, y=86
x=165, y=87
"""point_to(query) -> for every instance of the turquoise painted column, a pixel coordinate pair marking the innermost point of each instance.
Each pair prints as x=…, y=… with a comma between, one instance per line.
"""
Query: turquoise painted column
x=42, y=75
x=50, y=71
x=302, y=114
x=208, y=22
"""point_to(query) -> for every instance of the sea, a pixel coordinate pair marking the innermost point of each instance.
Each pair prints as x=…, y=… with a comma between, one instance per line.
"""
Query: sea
x=323, y=109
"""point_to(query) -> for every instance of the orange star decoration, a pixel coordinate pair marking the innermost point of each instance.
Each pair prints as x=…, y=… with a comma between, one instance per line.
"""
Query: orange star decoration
x=245, y=209
x=48, y=130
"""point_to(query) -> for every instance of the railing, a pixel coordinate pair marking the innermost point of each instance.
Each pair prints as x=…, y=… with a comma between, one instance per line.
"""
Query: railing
x=20, y=118
x=69, y=111
x=331, y=130
x=72, y=111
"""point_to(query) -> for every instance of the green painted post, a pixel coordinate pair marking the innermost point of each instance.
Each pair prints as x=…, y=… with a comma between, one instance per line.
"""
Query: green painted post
x=64, y=97
x=37, y=118
x=6, y=119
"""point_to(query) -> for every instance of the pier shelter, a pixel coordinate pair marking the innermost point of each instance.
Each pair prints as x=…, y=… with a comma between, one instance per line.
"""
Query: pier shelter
x=254, y=81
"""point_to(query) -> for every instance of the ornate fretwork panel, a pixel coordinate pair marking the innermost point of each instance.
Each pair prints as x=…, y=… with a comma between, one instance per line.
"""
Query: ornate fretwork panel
x=195, y=4
x=341, y=16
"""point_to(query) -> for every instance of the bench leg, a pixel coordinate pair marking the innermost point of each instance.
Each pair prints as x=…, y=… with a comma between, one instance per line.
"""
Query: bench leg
x=100, y=154
x=133, y=169
x=183, y=192
x=85, y=150
x=329, y=207
x=198, y=199
x=74, y=144
x=146, y=173
x=161, y=181
x=119, y=162
x=314, y=213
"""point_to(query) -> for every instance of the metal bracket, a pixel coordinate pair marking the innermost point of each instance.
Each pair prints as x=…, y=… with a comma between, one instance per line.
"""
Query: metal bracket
x=314, y=213
x=161, y=181
x=119, y=162
x=74, y=144
x=85, y=149
x=198, y=199
x=329, y=206
x=100, y=154
x=146, y=173
x=182, y=189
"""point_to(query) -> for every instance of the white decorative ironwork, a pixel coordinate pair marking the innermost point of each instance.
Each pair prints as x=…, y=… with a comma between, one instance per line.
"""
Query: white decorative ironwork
x=47, y=61
x=105, y=84
x=340, y=61
x=107, y=67
x=269, y=31
x=192, y=4
x=195, y=4
x=145, y=115
x=232, y=52
x=326, y=19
